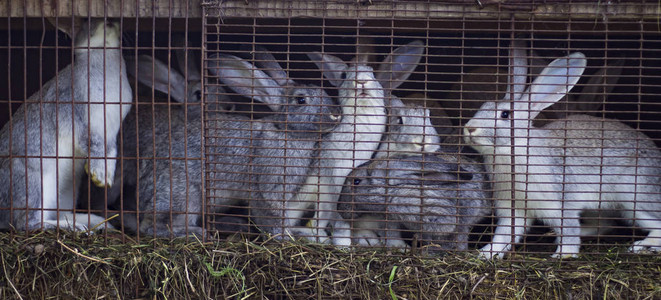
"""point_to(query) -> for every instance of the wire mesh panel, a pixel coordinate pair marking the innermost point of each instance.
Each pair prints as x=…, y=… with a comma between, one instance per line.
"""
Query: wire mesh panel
x=389, y=148
x=99, y=145
x=460, y=129
x=443, y=125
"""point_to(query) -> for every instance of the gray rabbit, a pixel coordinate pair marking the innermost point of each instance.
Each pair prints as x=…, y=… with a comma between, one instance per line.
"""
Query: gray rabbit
x=564, y=168
x=263, y=162
x=93, y=97
x=168, y=177
x=165, y=183
x=410, y=131
x=184, y=86
x=437, y=197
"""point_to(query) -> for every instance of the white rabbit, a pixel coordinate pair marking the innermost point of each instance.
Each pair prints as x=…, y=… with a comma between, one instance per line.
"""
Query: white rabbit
x=350, y=144
x=483, y=84
x=564, y=168
x=409, y=131
x=93, y=97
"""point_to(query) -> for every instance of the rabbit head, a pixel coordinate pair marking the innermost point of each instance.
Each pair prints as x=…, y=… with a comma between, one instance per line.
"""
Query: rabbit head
x=297, y=108
x=410, y=130
x=375, y=183
x=159, y=76
x=184, y=86
x=492, y=124
x=426, y=194
x=354, y=80
x=97, y=33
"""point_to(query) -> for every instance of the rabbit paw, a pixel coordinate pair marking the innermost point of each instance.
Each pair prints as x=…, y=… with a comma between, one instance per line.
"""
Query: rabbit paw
x=310, y=234
x=644, y=246
x=341, y=234
x=83, y=222
x=487, y=252
x=566, y=251
x=367, y=238
x=66, y=224
x=97, y=172
x=564, y=255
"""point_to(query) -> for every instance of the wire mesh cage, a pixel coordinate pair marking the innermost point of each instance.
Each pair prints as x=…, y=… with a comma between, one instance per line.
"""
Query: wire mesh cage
x=443, y=175
x=490, y=127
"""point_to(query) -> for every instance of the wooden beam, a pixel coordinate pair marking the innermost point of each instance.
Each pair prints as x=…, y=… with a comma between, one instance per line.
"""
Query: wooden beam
x=101, y=8
x=341, y=9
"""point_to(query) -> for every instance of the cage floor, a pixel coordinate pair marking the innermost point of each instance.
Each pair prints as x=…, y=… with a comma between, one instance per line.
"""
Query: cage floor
x=65, y=265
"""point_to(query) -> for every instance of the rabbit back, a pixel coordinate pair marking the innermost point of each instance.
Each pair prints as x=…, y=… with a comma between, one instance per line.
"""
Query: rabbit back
x=623, y=160
x=162, y=163
x=255, y=162
x=439, y=208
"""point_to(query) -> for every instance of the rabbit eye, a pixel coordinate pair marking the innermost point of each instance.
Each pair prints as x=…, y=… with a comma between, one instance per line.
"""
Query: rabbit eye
x=344, y=75
x=505, y=114
x=357, y=181
x=300, y=100
x=400, y=120
x=198, y=95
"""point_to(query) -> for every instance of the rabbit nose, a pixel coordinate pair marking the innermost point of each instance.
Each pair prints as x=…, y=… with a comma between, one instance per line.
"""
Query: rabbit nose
x=335, y=117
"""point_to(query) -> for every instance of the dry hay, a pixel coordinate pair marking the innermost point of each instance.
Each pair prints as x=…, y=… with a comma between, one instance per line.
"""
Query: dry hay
x=67, y=265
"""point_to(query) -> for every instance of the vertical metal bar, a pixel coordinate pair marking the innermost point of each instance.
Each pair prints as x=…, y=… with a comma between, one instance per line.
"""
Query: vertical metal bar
x=510, y=81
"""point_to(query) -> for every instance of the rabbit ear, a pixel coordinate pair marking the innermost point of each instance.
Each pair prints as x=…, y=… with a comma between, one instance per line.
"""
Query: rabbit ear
x=67, y=25
x=399, y=65
x=518, y=70
x=165, y=80
x=185, y=59
x=331, y=66
x=244, y=78
x=596, y=89
x=365, y=49
x=555, y=81
x=427, y=170
x=265, y=61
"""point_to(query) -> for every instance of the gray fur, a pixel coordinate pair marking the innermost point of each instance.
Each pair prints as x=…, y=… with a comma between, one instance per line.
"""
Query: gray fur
x=170, y=176
x=438, y=198
x=410, y=131
x=264, y=162
x=62, y=130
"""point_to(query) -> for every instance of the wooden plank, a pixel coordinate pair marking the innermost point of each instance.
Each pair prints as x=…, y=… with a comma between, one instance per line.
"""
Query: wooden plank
x=100, y=8
x=341, y=9
x=593, y=10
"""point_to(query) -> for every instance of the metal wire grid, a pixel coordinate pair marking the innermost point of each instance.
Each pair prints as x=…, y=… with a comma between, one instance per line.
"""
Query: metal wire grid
x=457, y=54
x=465, y=64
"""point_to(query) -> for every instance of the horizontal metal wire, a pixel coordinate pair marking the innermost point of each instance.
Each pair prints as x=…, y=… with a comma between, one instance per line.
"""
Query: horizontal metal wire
x=229, y=162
